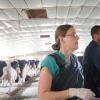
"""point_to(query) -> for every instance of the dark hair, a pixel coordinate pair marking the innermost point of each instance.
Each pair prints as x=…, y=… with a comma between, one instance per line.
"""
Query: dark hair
x=60, y=31
x=95, y=30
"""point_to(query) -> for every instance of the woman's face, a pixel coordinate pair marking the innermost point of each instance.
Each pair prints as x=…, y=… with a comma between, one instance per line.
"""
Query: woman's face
x=71, y=39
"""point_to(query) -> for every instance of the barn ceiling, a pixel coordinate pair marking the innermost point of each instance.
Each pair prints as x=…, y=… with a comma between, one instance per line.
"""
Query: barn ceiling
x=20, y=35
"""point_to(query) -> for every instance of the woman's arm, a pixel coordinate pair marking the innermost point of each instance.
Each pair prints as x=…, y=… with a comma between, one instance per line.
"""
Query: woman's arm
x=45, y=92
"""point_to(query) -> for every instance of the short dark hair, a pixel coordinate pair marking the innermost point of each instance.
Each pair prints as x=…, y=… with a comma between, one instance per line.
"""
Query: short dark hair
x=95, y=30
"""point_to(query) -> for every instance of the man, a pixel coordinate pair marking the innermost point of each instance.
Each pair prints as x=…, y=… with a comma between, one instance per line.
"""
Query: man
x=91, y=62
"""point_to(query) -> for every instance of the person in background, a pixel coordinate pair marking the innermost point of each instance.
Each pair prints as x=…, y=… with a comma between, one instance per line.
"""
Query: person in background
x=91, y=62
x=61, y=75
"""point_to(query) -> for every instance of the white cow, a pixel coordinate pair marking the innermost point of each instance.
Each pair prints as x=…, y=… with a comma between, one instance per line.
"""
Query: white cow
x=25, y=71
x=9, y=75
x=28, y=71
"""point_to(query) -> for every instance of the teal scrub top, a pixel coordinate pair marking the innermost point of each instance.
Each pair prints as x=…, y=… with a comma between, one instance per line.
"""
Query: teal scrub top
x=50, y=63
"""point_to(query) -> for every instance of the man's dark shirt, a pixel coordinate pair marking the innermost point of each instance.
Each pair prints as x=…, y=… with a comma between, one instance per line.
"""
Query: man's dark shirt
x=91, y=66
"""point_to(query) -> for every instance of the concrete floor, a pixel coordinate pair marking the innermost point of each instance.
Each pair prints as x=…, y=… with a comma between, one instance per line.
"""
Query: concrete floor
x=28, y=92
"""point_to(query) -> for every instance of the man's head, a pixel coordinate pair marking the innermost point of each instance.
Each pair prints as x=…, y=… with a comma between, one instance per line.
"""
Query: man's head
x=95, y=33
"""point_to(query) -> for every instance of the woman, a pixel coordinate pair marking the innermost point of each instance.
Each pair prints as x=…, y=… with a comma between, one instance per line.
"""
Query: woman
x=61, y=75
